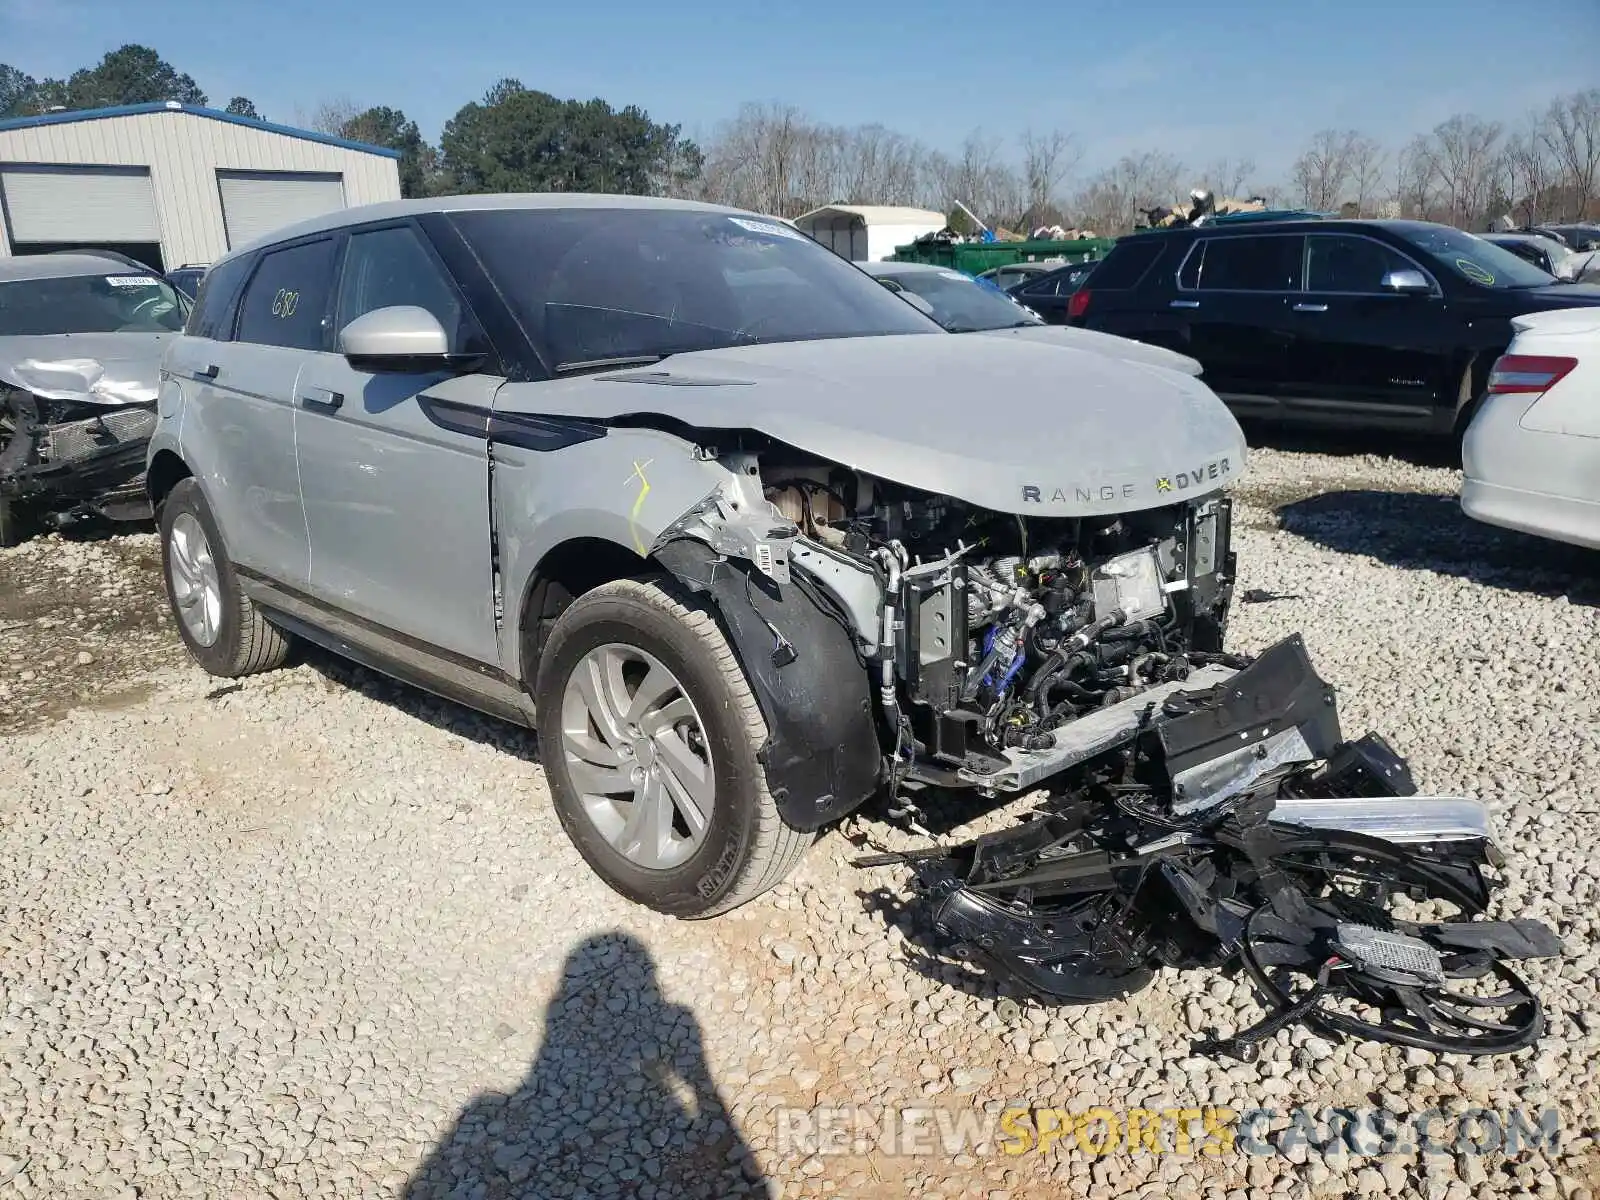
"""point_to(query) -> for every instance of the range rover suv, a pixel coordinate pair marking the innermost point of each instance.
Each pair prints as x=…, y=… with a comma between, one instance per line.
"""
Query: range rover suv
x=744, y=535
x=1375, y=324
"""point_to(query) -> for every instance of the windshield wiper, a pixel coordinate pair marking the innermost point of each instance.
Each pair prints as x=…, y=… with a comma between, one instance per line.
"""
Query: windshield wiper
x=622, y=360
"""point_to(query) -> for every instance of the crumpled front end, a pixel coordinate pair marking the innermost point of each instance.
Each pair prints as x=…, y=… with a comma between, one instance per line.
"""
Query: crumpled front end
x=66, y=453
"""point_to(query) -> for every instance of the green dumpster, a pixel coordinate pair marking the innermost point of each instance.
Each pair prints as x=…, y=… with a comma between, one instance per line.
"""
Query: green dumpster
x=974, y=258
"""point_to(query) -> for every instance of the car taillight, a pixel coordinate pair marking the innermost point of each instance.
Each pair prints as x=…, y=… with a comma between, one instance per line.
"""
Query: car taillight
x=1527, y=374
x=1079, y=303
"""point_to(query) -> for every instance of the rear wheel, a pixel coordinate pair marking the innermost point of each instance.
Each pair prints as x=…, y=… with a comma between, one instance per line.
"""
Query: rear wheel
x=224, y=632
x=1469, y=399
x=649, y=736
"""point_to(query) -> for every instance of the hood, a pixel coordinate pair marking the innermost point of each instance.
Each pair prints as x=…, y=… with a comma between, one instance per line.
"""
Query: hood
x=1003, y=423
x=1560, y=295
x=1102, y=343
x=1559, y=320
x=94, y=368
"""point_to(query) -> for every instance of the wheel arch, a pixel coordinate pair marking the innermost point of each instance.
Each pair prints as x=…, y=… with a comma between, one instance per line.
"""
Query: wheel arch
x=167, y=469
x=564, y=572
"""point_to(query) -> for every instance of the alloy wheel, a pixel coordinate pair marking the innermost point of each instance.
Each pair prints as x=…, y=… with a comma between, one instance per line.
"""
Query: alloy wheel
x=637, y=753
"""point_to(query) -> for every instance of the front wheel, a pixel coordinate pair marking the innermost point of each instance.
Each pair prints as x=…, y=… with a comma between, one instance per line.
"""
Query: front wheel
x=649, y=735
x=224, y=632
x=13, y=524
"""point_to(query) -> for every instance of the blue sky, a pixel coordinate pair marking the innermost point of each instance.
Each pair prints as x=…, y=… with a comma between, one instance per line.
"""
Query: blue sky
x=1234, y=78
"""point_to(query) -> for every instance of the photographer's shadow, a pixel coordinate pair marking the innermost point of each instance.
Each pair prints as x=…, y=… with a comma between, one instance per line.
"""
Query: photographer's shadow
x=619, y=1101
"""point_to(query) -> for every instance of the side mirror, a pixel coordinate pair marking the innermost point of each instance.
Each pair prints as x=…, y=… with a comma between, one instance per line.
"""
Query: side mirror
x=917, y=302
x=400, y=339
x=1407, y=283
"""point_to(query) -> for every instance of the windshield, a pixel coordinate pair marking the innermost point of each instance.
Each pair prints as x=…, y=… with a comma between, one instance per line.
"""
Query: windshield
x=1474, y=259
x=961, y=304
x=122, y=303
x=593, y=285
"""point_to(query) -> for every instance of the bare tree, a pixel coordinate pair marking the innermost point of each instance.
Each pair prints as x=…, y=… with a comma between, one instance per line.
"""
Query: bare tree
x=330, y=116
x=1413, y=179
x=980, y=179
x=1047, y=159
x=1530, y=172
x=1113, y=200
x=1322, y=172
x=1465, y=155
x=1227, y=177
x=755, y=160
x=1367, y=160
x=1572, y=134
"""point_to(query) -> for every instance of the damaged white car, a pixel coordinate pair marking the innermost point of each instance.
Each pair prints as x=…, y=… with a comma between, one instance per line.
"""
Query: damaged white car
x=81, y=338
x=752, y=542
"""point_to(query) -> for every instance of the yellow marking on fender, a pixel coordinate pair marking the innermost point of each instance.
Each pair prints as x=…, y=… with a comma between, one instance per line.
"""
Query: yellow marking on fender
x=638, y=504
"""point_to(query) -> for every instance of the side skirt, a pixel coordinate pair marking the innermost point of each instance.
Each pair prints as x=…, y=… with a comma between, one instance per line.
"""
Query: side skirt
x=477, y=686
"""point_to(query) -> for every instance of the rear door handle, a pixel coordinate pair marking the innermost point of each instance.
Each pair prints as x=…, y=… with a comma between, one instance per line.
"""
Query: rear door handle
x=321, y=398
x=209, y=371
x=1184, y=304
x=1311, y=308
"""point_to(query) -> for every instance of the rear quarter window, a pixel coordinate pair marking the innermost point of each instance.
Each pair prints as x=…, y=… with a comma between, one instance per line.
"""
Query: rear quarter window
x=1125, y=266
x=212, y=314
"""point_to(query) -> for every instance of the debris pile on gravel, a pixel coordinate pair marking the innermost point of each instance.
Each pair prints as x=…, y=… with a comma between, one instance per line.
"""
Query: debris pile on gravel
x=316, y=934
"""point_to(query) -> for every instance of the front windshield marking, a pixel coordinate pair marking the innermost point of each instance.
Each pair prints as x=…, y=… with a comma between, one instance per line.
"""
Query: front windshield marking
x=1475, y=259
x=113, y=303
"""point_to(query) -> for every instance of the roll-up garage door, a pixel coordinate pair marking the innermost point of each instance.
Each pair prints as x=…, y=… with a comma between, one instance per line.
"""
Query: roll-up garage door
x=255, y=203
x=79, y=204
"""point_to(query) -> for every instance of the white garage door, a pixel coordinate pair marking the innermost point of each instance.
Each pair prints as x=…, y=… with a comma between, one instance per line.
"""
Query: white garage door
x=259, y=202
x=79, y=204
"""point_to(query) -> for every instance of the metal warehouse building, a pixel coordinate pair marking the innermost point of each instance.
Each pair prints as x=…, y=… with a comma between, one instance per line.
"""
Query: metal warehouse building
x=172, y=184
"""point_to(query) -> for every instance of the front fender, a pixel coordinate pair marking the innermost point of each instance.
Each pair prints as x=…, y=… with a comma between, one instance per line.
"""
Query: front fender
x=823, y=759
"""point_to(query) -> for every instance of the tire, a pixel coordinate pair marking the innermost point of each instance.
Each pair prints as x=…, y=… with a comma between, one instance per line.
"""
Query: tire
x=13, y=525
x=1469, y=398
x=241, y=641
x=745, y=847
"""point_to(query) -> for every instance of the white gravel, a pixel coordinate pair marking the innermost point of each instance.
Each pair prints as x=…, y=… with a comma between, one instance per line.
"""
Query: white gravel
x=319, y=935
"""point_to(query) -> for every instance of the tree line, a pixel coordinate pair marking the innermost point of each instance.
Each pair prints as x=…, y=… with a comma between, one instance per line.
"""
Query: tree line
x=776, y=159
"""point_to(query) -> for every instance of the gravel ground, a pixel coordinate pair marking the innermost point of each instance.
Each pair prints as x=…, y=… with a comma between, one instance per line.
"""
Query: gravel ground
x=315, y=934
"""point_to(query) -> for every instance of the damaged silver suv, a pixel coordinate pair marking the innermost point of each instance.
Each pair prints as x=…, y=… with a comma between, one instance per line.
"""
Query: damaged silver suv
x=81, y=338
x=751, y=541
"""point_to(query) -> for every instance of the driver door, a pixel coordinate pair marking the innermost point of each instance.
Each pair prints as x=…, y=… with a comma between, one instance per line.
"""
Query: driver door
x=397, y=501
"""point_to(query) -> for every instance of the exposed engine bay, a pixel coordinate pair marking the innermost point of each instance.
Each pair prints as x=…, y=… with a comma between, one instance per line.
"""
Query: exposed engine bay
x=996, y=631
x=1202, y=808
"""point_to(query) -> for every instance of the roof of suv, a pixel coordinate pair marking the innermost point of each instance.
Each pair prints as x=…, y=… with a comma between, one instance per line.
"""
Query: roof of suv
x=390, y=209
x=1267, y=225
x=63, y=266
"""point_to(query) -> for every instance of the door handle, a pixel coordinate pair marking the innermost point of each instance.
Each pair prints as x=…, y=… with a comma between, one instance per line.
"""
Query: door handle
x=209, y=371
x=1311, y=308
x=1184, y=304
x=321, y=398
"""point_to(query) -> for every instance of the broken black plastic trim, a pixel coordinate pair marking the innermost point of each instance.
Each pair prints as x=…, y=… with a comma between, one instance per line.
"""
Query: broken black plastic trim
x=822, y=757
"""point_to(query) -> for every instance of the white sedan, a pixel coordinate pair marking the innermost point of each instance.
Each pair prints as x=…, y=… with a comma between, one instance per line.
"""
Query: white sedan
x=1531, y=455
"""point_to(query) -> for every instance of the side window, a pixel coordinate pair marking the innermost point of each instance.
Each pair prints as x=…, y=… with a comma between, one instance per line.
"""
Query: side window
x=1127, y=263
x=212, y=313
x=384, y=267
x=1250, y=264
x=286, y=300
x=1342, y=263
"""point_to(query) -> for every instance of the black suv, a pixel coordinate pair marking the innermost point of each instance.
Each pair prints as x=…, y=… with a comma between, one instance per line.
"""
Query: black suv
x=1390, y=324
